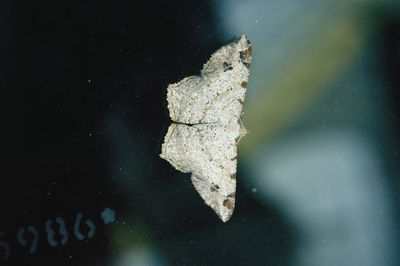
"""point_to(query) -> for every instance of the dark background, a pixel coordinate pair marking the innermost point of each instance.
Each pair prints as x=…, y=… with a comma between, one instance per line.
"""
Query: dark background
x=83, y=115
x=83, y=90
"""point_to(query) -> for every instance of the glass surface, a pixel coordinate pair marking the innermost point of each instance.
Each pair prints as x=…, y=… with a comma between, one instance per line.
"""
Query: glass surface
x=83, y=114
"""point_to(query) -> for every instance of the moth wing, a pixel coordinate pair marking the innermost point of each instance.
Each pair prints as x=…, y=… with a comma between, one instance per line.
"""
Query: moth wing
x=209, y=153
x=180, y=95
x=217, y=95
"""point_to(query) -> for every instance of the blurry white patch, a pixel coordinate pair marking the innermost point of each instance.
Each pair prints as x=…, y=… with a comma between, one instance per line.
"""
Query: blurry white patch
x=206, y=110
x=139, y=256
x=332, y=186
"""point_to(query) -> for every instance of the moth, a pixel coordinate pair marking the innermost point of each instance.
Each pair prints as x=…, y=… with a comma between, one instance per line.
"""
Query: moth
x=205, y=111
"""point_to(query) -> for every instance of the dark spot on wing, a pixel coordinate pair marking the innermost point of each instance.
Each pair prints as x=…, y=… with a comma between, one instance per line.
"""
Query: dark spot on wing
x=227, y=66
x=214, y=188
x=229, y=203
x=245, y=57
x=233, y=176
x=244, y=84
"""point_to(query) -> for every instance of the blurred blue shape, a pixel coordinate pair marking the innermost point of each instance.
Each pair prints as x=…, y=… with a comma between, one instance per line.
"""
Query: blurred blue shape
x=108, y=216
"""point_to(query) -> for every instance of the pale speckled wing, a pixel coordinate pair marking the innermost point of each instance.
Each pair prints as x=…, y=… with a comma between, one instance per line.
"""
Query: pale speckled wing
x=217, y=95
x=208, y=151
x=207, y=110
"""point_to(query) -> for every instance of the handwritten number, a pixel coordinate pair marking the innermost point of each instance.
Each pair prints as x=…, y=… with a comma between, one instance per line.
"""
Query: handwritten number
x=89, y=223
x=29, y=236
x=24, y=242
x=61, y=230
x=6, y=247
